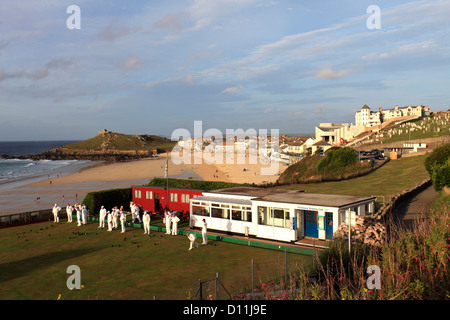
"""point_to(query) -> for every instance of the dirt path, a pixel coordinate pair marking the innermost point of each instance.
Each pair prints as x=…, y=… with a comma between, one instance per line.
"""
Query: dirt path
x=411, y=209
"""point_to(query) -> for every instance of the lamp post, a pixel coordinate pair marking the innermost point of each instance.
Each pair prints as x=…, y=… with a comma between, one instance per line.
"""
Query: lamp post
x=166, y=174
x=349, y=231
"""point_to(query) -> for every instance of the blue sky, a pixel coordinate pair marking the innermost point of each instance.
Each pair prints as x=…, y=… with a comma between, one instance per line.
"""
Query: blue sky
x=150, y=67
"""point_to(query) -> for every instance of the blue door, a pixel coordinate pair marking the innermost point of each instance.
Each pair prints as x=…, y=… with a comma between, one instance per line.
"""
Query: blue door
x=329, y=225
x=311, y=224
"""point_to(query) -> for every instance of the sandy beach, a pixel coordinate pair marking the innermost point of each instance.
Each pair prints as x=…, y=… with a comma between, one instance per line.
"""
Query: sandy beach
x=73, y=187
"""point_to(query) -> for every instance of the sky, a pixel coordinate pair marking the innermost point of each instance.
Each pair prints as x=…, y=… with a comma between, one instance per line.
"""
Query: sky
x=151, y=67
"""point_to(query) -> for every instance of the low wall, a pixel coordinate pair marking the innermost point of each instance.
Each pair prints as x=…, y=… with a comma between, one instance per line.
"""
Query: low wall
x=23, y=218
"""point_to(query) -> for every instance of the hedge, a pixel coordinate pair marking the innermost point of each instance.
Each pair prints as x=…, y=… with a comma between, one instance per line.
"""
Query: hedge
x=195, y=184
x=108, y=198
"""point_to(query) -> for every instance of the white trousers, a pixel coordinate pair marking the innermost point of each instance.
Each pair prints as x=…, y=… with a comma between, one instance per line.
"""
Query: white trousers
x=79, y=219
x=167, y=227
x=136, y=215
x=69, y=217
x=56, y=217
x=205, y=238
x=122, y=223
x=102, y=222
x=109, y=226
x=146, y=227
x=193, y=244
x=175, y=229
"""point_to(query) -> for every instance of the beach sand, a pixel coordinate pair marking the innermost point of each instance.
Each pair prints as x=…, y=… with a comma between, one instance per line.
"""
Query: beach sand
x=73, y=187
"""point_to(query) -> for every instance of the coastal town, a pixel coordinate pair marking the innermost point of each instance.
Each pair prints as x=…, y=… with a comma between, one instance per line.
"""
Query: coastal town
x=370, y=128
x=238, y=204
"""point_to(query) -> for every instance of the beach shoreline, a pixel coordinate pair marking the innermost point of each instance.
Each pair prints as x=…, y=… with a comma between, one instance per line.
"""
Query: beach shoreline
x=72, y=188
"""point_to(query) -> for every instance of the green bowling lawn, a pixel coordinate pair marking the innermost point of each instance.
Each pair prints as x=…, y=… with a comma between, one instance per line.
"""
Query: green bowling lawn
x=34, y=260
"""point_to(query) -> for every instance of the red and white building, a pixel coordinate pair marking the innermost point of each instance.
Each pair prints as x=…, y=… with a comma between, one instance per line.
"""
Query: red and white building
x=155, y=198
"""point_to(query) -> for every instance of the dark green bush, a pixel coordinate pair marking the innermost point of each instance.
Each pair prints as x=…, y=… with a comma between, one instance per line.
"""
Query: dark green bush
x=336, y=159
x=108, y=198
x=438, y=166
x=194, y=184
x=440, y=175
x=439, y=156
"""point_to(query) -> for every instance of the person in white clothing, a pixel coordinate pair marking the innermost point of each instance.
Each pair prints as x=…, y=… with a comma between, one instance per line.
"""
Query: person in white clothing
x=69, y=210
x=115, y=217
x=167, y=217
x=136, y=213
x=109, y=220
x=123, y=218
x=78, y=208
x=102, y=217
x=204, y=236
x=132, y=210
x=192, y=237
x=55, y=212
x=175, y=221
x=84, y=215
x=146, y=219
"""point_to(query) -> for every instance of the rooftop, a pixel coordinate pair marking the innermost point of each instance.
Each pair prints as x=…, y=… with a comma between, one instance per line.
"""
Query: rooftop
x=294, y=196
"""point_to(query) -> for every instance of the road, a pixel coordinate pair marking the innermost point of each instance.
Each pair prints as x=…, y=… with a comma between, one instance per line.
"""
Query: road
x=413, y=208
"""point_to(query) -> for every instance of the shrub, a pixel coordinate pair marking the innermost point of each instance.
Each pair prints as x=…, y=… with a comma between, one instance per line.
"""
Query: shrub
x=108, y=198
x=440, y=175
x=439, y=157
x=438, y=166
x=337, y=159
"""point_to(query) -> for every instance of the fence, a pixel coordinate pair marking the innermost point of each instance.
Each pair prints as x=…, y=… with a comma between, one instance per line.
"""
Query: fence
x=204, y=287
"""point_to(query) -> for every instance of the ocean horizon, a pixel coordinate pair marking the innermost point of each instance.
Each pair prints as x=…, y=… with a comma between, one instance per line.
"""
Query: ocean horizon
x=13, y=170
x=27, y=148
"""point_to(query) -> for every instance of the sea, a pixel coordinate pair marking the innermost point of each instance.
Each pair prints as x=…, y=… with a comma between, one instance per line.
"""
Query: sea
x=14, y=170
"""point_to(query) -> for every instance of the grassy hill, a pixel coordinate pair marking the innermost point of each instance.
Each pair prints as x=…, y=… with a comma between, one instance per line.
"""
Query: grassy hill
x=395, y=176
x=111, y=141
x=338, y=164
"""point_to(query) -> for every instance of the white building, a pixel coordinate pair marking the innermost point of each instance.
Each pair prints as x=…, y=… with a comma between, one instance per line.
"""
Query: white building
x=284, y=215
x=367, y=118
x=336, y=134
x=414, y=146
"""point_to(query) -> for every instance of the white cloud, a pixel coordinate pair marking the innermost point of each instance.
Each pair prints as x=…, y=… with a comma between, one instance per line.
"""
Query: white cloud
x=329, y=74
x=233, y=90
x=207, y=12
x=172, y=21
x=131, y=63
x=112, y=32
x=403, y=50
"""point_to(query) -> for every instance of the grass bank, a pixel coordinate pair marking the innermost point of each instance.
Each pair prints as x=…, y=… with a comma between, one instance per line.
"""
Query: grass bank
x=395, y=176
